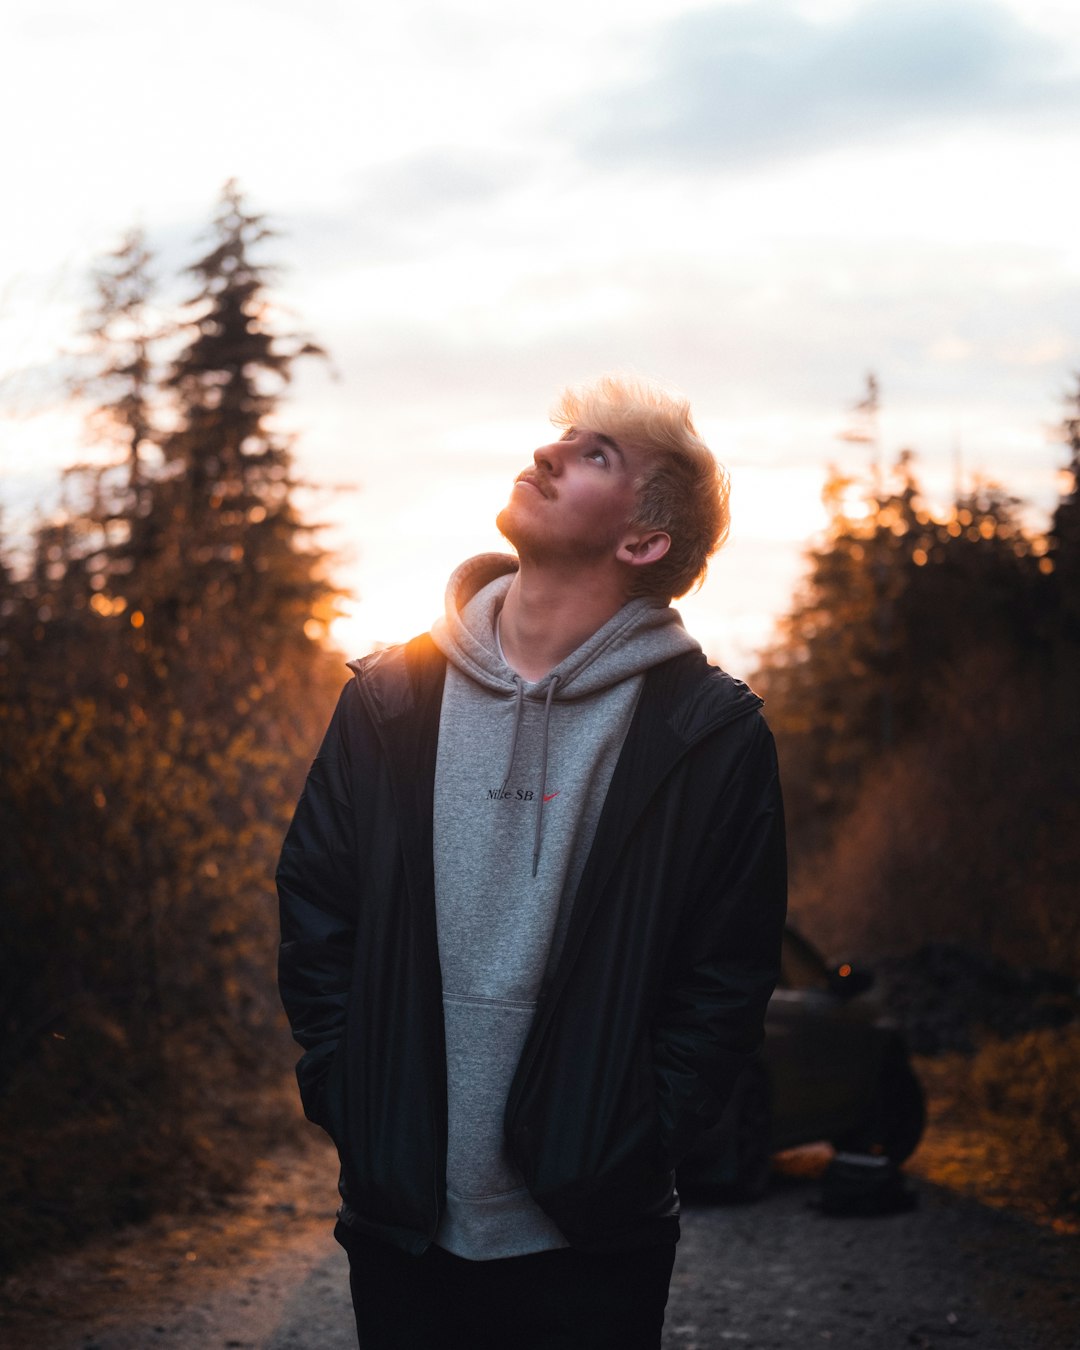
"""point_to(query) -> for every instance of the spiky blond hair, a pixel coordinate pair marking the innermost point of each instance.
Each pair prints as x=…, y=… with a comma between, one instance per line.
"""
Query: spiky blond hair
x=682, y=491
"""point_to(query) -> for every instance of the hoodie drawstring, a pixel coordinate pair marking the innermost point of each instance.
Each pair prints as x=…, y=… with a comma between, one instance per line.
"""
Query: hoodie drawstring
x=543, y=774
x=518, y=705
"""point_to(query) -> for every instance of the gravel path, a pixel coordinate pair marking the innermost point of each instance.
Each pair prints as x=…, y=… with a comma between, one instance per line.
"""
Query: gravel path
x=265, y=1274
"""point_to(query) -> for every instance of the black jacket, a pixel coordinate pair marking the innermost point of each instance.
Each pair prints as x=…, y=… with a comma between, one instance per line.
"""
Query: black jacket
x=641, y=1029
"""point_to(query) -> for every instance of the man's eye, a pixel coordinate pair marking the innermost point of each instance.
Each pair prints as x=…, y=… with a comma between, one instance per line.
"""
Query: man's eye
x=597, y=454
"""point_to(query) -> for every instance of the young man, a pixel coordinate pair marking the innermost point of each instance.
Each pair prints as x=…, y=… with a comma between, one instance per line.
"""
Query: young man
x=531, y=906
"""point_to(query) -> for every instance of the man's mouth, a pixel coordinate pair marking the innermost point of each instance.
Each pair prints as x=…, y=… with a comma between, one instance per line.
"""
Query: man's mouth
x=534, y=481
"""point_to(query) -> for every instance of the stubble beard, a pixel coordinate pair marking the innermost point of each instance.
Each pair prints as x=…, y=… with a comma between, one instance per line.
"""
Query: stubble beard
x=516, y=532
x=532, y=544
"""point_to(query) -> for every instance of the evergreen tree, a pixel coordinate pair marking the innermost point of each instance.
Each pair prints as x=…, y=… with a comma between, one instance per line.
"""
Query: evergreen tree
x=241, y=552
x=162, y=683
x=838, y=677
x=893, y=598
x=1064, y=534
x=123, y=332
x=923, y=747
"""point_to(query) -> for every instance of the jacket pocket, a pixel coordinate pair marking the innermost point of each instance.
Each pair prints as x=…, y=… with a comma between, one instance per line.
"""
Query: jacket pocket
x=645, y=1122
x=319, y=1075
x=597, y=1170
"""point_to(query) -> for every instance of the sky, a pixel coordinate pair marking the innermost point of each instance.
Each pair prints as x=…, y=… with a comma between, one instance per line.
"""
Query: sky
x=478, y=204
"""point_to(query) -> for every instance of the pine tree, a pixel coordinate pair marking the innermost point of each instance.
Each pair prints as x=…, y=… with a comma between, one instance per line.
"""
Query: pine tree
x=1064, y=534
x=926, y=741
x=240, y=552
x=161, y=687
x=123, y=331
x=893, y=599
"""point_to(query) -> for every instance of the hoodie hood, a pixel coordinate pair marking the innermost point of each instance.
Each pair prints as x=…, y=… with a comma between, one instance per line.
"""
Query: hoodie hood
x=641, y=635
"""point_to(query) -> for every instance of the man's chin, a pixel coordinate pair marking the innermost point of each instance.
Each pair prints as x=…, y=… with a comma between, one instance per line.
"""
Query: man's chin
x=508, y=527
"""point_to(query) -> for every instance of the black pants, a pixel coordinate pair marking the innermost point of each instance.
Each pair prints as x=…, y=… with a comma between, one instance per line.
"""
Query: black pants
x=556, y=1300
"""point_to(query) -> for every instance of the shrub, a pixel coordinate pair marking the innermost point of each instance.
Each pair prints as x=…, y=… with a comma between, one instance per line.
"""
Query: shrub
x=1030, y=1086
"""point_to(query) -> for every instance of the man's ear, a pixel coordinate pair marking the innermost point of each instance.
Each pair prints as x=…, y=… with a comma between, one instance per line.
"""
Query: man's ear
x=646, y=546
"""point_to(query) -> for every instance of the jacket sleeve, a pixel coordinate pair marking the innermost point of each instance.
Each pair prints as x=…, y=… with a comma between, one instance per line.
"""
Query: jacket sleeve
x=317, y=884
x=726, y=957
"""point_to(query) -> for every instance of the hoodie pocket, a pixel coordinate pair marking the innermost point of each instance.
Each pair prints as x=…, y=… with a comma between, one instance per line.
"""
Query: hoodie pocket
x=483, y=1045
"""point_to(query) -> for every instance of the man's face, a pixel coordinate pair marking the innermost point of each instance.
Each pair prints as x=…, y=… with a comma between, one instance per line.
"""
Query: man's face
x=577, y=500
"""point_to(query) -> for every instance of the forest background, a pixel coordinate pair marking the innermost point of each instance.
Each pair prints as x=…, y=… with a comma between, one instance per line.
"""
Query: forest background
x=165, y=676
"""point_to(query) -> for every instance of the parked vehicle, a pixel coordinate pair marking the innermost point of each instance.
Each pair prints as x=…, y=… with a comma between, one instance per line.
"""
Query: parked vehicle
x=833, y=1067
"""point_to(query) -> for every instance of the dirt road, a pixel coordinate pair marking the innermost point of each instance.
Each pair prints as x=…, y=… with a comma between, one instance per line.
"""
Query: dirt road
x=265, y=1274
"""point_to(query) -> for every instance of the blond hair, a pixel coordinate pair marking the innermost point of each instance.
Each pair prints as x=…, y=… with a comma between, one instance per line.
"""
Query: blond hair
x=682, y=491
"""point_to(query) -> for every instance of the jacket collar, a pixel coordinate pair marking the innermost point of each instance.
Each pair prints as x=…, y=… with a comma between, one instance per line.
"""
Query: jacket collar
x=685, y=697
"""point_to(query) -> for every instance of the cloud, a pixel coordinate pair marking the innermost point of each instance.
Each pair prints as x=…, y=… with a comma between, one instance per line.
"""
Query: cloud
x=436, y=180
x=404, y=207
x=986, y=328
x=756, y=82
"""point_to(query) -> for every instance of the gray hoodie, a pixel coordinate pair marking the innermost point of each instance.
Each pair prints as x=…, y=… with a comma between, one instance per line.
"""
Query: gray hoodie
x=522, y=772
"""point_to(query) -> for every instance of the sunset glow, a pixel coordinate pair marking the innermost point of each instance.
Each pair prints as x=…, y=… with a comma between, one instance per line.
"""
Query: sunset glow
x=480, y=208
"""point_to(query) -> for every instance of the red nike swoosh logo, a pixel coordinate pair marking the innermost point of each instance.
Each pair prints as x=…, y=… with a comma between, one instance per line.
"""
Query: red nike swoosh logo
x=549, y=796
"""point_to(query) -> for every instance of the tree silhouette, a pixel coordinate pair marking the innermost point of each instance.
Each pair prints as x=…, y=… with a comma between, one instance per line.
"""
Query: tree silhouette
x=922, y=688
x=1064, y=534
x=162, y=682
x=230, y=484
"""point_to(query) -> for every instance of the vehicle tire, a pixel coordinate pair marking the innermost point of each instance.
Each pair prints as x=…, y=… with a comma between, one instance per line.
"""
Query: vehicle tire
x=750, y=1138
x=897, y=1115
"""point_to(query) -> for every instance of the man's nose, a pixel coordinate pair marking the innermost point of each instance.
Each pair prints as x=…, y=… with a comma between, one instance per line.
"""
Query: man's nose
x=547, y=458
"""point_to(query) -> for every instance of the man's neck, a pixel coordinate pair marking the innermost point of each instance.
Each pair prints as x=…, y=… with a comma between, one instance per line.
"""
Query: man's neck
x=548, y=614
